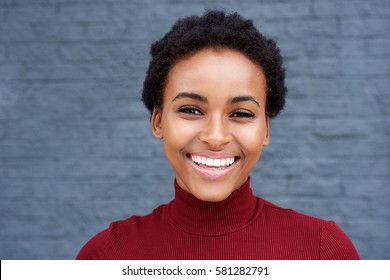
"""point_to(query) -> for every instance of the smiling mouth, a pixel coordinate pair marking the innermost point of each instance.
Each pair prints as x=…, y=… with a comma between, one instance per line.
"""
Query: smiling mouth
x=213, y=162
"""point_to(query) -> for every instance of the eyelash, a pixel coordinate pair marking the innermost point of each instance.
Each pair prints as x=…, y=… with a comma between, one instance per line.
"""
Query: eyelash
x=195, y=111
x=190, y=110
x=242, y=114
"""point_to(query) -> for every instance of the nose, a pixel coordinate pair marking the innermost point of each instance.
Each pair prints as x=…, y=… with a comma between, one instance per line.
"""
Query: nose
x=215, y=133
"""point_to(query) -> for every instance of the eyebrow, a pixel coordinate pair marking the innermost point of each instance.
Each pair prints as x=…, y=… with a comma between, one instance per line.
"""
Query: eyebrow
x=243, y=98
x=198, y=97
x=191, y=95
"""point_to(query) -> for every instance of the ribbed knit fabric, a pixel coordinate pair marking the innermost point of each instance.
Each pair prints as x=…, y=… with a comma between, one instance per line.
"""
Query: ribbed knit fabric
x=240, y=227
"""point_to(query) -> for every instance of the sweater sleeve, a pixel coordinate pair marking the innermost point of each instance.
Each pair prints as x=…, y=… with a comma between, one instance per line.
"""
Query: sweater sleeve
x=94, y=248
x=335, y=244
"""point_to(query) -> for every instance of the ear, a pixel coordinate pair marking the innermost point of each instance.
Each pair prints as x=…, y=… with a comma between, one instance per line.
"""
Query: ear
x=266, y=136
x=156, y=121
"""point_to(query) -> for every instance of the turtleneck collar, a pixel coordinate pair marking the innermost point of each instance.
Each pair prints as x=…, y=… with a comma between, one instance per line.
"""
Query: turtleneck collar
x=199, y=217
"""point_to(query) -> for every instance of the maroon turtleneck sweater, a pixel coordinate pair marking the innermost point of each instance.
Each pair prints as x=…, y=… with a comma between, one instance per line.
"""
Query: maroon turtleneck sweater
x=240, y=227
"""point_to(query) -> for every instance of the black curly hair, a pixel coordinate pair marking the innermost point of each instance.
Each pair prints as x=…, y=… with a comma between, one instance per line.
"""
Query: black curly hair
x=215, y=29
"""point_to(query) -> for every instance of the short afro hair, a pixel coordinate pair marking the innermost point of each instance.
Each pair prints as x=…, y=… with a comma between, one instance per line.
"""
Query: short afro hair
x=215, y=29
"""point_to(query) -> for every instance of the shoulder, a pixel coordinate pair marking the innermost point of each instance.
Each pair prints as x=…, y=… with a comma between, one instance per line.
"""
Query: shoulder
x=332, y=242
x=291, y=218
x=336, y=245
x=121, y=237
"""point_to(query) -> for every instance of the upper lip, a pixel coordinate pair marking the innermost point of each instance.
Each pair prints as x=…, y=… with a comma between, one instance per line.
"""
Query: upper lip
x=213, y=155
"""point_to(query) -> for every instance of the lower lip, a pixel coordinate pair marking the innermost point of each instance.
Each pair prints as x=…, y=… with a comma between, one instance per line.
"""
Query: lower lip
x=213, y=173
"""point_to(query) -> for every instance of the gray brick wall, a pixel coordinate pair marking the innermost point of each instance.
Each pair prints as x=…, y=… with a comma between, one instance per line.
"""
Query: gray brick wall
x=76, y=150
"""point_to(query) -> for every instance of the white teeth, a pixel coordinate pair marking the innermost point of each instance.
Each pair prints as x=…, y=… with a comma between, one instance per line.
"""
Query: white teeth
x=213, y=162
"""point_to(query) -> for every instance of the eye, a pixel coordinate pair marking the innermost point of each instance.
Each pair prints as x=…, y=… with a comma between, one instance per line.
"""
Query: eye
x=190, y=110
x=242, y=114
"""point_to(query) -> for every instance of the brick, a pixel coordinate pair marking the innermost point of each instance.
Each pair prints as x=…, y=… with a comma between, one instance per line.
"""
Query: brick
x=353, y=208
x=283, y=148
x=37, y=53
x=357, y=87
x=378, y=46
x=123, y=149
x=84, y=13
x=314, y=186
x=3, y=13
x=313, y=206
x=319, y=67
x=49, y=103
x=31, y=169
x=56, y=248
x=384, y=102
x=321, y=47
x=82, y=52
x=30, y=130
x=351, y=167
x=115, y=109
x=2, y=172
x=362, y=245
x=10, y=72
x=2, y=131
x=155, y=17
x=353, y=47
x=33, y=208
x=297, y=126
x=132, y=130
x=302, y=87
x=288, y=167
x=17, y=32
x=107, y=31
x=290, y=49
x=17, y=190
x=41, y=130
x=8, y=100
x=268, y=187
x=370, y=228
x=278, y=10
x=57, y=32
x=92, y=167
x=40, y=149
x=365, y=27
x=380, y=248
x=111, y=168
x=3, y=53
x=358, y=187
x=367, y=67
x=109, y=52
x=36, y=13
x=303, y=28
x=65, y=72
x=341, y=146
x=334, y=104
x=344, y=105
x=351, y=8
x=379, y=207
x=348, y=128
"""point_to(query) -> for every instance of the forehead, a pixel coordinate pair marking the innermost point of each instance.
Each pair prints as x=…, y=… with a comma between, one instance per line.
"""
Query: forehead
x=211, y=70
x=215, y=57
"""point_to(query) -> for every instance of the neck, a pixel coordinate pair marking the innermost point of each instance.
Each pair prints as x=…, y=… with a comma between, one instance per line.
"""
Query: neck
x=214, y=218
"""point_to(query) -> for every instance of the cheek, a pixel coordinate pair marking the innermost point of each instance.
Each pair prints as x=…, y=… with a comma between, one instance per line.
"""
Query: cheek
x=251, y=139
x=178, y=133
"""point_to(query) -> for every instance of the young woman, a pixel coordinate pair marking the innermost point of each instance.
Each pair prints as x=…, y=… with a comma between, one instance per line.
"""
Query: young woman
x=212, y=85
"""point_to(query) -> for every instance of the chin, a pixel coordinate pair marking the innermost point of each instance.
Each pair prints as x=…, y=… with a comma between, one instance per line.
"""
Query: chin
x=211, y=195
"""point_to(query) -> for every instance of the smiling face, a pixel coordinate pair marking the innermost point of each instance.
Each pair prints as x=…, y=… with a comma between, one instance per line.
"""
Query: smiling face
x=213, y=121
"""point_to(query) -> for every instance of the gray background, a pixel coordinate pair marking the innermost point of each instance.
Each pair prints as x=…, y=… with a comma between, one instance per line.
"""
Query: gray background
x=76, y=151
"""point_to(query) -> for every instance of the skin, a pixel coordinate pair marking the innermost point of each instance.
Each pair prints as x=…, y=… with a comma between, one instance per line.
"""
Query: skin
x=213, y=107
